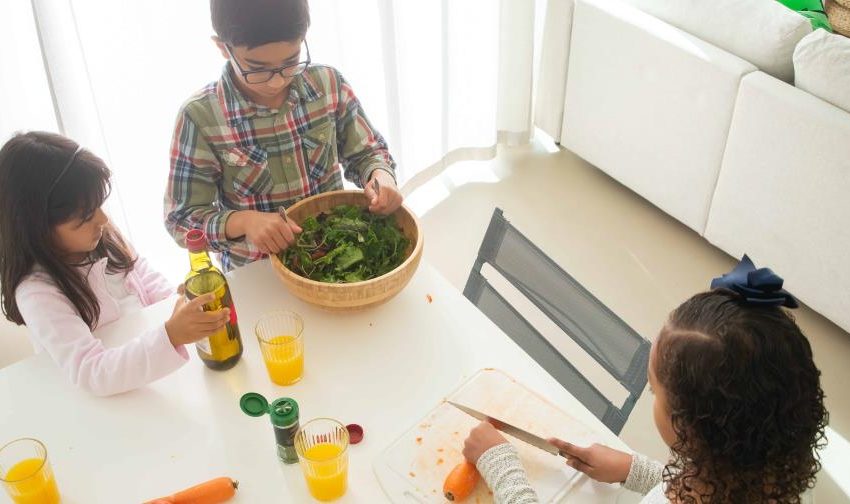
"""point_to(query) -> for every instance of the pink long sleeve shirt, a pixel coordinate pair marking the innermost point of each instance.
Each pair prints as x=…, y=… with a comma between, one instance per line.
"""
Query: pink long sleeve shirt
x=56, y=327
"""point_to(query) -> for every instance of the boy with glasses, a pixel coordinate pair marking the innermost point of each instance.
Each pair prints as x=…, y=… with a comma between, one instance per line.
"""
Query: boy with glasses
x=272, y=130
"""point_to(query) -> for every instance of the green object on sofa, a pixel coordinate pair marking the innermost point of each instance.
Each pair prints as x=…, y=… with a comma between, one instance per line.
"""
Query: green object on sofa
x=812, y=9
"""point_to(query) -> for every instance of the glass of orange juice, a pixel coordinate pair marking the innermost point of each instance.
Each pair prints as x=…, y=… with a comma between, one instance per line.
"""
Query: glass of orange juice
x=322, y=447
x=279, y=334
x=26, y=473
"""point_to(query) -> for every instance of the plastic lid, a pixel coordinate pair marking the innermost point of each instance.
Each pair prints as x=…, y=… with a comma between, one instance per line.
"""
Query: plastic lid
x=254, y=404
x=284, y=412
x=355, y=433
x=196, y=240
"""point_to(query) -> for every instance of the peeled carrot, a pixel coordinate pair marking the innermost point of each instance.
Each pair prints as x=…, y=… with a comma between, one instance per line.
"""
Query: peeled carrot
x=213, y=491
x=460, y=482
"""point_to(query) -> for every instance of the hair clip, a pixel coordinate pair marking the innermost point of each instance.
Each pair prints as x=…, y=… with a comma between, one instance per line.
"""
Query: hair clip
x=758, y=286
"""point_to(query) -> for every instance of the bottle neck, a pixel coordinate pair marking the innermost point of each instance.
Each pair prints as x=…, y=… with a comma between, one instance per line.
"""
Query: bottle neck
x=199, y=261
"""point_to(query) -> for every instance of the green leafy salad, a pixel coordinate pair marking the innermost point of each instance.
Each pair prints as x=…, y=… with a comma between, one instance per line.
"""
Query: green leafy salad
x=349, y=244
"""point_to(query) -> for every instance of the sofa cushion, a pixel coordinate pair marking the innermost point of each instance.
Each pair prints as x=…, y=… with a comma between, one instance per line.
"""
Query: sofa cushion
x=782, y=192
x=650, y=105
x=762, y=32
x=554, y=54
x=822, y=67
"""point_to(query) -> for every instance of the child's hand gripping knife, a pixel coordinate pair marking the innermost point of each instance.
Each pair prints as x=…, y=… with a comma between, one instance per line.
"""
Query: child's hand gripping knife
x=598, y=461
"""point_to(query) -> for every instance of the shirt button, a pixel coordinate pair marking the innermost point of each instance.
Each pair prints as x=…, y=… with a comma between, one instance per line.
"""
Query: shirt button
x=288, y=159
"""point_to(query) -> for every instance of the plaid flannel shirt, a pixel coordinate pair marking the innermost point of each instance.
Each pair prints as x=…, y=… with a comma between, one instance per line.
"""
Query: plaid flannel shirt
x=230, y=154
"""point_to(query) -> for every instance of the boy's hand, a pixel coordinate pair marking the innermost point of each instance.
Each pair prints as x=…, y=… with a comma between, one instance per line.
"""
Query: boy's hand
x=597, y=461
x=386, y=198
x=189, y=323
x=481, y=438
x=266, y=231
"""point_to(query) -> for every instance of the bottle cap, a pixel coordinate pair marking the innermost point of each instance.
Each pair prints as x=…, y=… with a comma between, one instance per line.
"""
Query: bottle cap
x=355, y=433
x=254, y=404
x=196, y=240
x=283, y=411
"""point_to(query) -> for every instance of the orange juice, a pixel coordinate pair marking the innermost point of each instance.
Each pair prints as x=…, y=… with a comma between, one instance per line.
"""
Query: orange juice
x=327, y=471
x=284, y=357
x=30, y=481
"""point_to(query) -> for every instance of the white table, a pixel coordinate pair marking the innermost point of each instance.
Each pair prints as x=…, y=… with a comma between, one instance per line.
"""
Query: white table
x=383, y=368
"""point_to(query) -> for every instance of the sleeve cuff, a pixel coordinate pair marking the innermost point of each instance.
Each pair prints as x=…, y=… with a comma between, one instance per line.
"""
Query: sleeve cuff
x=498, y=453
x=644, y=474
x=172, y=356
x=367, y=174
x=216, y=231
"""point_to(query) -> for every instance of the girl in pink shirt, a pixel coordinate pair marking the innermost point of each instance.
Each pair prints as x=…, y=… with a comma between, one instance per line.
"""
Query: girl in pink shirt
x=66, y=271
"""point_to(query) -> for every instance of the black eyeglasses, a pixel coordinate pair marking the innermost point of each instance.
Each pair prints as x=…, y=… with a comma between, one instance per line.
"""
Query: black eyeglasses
x=261, y=76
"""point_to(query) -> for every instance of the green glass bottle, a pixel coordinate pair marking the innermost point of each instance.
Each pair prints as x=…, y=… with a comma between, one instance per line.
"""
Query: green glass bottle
x=222, y=349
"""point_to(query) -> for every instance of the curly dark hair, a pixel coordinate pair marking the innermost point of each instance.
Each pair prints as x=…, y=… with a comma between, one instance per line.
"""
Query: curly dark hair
x=745, y=402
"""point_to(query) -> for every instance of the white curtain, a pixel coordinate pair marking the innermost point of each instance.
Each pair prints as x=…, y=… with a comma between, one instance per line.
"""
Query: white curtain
x=442, y=80
x=25, y=100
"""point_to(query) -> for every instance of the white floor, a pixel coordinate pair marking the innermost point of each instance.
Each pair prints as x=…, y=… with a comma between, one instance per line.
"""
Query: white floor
x=639, y=261
x=632, y=256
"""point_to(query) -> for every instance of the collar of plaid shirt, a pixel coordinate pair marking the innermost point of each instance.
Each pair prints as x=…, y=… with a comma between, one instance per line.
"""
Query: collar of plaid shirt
x=238, y=107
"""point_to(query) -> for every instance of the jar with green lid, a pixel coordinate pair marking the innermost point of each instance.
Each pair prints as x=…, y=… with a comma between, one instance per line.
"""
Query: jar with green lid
x=284, y=417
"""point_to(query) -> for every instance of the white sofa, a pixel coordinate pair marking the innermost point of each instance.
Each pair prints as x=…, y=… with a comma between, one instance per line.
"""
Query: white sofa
x=748, y=161
x=783, y=195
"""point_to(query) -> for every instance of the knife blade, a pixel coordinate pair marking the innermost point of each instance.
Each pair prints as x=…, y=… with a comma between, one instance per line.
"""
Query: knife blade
x=522, y=435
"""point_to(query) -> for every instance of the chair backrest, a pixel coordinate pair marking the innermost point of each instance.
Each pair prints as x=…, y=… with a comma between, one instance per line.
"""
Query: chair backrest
x=621, y=351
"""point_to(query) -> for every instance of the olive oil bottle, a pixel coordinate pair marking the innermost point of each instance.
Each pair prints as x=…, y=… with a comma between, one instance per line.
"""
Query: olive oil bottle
x=222, y=349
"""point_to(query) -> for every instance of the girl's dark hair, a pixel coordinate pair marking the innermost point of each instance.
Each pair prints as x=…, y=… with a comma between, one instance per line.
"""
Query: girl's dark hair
x=745, y=402
x=30, y=164
x=254, y=23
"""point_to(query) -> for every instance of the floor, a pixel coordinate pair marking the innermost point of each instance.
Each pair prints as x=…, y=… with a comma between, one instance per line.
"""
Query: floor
x=639, y=261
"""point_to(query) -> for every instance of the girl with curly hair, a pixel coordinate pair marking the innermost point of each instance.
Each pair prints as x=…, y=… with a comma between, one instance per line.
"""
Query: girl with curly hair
x=737, y=399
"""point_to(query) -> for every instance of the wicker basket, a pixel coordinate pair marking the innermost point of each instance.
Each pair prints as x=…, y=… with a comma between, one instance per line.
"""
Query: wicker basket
x=839, y=16
x=356, y=295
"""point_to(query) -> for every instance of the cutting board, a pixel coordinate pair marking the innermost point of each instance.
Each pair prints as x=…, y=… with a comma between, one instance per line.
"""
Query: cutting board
x=413, y=468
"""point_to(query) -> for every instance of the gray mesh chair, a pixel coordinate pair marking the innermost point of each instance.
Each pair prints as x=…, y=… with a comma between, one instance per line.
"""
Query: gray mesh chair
x=602, y=334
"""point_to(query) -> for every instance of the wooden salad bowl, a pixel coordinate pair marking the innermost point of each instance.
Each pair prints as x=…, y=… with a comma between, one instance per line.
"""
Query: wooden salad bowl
x=355, y=295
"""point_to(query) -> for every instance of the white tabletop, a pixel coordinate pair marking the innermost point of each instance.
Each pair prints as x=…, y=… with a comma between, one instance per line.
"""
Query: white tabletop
x=383, y=368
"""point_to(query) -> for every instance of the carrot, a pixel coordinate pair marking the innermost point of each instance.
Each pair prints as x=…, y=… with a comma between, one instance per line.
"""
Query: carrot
x=213, y=491
x=460, y=482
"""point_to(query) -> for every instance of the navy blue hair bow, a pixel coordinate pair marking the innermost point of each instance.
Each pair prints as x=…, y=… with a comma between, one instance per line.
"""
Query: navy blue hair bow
x=758, y=286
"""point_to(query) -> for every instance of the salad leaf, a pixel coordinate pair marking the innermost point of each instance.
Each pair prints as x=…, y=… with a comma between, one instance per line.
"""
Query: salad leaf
x=348, y=244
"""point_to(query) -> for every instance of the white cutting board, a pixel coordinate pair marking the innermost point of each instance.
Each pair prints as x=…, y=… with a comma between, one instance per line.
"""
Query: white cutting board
x=413, y=468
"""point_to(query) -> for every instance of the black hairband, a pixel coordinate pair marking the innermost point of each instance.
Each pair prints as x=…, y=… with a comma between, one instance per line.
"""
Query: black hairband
x=64, y=169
